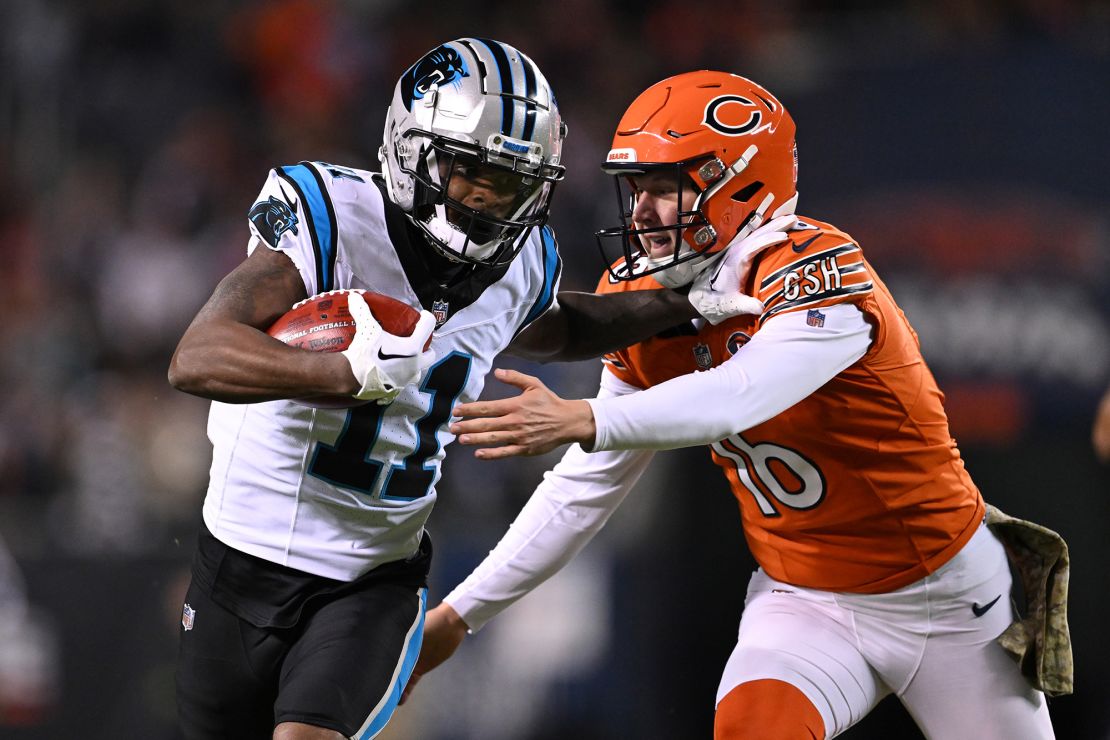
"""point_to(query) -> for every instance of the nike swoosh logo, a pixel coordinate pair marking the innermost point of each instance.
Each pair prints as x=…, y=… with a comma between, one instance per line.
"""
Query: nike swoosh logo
x=384, y=356
x=716, y=274
x=802, y=247
x=981, y=610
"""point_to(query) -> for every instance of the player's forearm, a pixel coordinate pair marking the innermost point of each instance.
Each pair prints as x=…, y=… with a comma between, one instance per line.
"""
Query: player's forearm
x=568, y=508
x=234, y=363
x=603, y=323
x=589, y=325
x=783, y=364
x=520, y=562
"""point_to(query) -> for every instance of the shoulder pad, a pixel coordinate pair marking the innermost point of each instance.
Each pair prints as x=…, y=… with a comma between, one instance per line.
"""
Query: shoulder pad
x=819, y=265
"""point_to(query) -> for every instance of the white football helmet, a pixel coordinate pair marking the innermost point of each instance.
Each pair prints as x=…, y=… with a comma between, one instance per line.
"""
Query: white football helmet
x=482, y=103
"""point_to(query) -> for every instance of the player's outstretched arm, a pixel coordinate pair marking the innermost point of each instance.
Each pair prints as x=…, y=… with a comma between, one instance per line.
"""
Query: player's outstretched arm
x=226, y=355
x=568, y=508
x=584, y=325
x=782, y=364
x=533, y=423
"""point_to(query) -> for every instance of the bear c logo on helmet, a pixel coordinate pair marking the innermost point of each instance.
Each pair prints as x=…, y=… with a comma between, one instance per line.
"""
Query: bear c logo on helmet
x=713, y=116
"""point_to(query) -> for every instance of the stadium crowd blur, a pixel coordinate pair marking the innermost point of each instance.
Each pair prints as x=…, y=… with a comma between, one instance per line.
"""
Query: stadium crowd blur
x=962, y=142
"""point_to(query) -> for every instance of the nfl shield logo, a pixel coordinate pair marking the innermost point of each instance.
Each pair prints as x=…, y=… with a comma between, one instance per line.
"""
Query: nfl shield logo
x=439, y=310
x=815, y=317
x=187, y=615
x=703, y=356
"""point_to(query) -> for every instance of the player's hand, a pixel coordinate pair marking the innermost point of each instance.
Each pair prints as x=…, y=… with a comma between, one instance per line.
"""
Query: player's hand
x=533, y=423
x=444, y=631
x=383, y=363
x=715, y=293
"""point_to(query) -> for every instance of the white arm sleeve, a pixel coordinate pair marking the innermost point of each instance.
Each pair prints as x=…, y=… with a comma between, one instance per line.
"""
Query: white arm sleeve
x=783, y=363
x=566, y=510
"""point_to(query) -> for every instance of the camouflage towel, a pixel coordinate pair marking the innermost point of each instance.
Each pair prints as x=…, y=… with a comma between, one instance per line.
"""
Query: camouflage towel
x=1039, y=640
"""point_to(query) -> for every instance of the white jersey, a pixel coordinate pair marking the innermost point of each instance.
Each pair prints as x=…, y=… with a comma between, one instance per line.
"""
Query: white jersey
x=338, y=492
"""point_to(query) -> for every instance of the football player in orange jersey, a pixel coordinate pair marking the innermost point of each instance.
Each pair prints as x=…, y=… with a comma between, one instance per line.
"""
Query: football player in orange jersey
x=877, y=572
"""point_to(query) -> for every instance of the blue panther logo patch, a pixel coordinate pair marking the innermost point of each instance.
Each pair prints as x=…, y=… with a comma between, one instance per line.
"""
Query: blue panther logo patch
x=439, y=67
x=273, y=218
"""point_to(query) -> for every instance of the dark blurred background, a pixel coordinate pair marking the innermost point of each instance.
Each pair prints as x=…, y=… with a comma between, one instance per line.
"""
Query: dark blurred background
x=962, y=142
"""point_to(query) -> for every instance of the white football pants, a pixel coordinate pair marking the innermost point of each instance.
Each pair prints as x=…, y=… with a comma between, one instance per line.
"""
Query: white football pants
x=931, y=643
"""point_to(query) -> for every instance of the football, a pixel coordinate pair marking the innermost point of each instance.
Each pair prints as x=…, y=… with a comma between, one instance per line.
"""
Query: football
x=323, y=323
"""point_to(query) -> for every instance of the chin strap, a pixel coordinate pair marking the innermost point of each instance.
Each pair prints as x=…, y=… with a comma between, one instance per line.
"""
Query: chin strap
x=773, y=232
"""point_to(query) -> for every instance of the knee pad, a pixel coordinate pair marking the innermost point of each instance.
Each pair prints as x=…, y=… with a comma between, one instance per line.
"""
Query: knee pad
x=767, y=709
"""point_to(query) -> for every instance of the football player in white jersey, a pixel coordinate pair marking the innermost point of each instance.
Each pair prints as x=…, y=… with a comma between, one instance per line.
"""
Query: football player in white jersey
x=305, y=612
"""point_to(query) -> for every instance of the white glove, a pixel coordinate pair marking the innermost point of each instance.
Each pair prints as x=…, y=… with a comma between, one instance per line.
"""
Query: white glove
x=382, y=362
x=715, y=292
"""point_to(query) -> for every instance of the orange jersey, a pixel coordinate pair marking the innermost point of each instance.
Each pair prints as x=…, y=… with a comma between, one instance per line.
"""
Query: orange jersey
x=859, y=487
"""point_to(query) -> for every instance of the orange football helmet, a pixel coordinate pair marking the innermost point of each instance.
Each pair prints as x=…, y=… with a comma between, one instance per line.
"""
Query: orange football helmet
x=732, y=138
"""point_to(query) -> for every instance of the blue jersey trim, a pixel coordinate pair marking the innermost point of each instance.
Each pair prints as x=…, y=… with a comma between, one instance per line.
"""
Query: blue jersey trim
x=321, y=217
x=552, y=267
x=412, y=651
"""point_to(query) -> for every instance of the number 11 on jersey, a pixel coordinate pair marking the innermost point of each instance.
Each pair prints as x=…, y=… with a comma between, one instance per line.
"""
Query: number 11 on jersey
x=348, y=463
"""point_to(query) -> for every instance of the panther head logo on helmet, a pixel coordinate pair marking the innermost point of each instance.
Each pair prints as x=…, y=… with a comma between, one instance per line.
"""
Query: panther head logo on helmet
x=441, y=66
